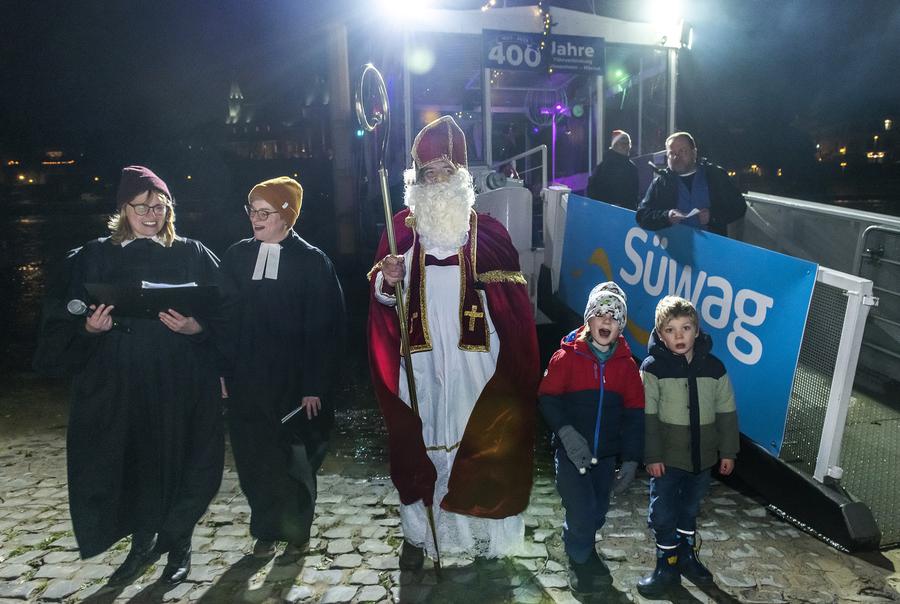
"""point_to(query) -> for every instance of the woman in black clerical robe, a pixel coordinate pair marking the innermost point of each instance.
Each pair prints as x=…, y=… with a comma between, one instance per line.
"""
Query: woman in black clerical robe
x=284, y=320
x=145, y=440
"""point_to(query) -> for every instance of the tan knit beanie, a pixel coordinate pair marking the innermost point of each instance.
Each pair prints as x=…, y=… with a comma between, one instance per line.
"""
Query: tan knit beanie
x=283, y=193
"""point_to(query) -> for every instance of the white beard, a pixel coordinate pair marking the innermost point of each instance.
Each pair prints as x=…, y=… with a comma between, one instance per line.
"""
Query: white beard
x=442, y=210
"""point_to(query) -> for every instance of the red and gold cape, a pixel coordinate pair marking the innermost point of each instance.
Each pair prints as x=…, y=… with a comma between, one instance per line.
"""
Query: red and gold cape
x=492, y=472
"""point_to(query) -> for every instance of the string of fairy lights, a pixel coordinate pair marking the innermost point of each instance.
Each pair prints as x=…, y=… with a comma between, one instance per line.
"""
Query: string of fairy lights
x=547, y=25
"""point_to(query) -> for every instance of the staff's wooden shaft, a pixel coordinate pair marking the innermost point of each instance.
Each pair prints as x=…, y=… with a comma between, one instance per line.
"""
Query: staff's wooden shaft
x=404, y=340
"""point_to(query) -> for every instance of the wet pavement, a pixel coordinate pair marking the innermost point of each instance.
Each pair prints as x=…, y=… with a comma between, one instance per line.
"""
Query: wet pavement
x=755, y=556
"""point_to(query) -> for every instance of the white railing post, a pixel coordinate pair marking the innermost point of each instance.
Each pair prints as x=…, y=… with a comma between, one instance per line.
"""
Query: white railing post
x=555, y=200
x=859, y=301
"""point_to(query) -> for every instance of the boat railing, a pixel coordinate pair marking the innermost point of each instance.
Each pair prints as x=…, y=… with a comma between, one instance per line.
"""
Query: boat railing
x=857, y=242
x=542, y=149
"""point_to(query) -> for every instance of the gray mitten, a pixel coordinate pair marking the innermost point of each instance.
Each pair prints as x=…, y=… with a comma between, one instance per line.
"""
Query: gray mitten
x=576, y=447
x=626, y=475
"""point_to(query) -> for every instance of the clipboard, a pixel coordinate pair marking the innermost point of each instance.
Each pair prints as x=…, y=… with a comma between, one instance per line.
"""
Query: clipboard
x=143, y=303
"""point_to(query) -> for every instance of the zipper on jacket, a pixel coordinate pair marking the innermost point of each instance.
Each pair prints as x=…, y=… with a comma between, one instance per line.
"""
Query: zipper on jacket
x=694, y=415
x=599, y=405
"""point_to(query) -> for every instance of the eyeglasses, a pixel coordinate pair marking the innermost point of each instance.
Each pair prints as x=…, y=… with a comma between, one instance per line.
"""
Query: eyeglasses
x=261, y=214
x=142, y=209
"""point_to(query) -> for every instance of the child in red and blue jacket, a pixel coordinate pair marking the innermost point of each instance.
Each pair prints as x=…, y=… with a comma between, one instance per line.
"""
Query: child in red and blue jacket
x=593, y=400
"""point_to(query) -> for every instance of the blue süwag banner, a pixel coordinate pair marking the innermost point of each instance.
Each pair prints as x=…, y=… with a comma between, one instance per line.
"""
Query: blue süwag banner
x=753, y=302
x=522, y=51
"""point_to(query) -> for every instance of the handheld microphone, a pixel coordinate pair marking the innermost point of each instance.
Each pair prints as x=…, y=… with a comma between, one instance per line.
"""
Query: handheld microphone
x=80, y=309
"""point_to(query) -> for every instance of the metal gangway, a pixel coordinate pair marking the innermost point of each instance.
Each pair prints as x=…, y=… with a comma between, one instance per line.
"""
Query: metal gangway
x=843, y=427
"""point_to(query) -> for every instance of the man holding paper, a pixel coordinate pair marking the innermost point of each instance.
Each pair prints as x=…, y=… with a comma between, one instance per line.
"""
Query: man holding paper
x=282, y=331
x=689, y=192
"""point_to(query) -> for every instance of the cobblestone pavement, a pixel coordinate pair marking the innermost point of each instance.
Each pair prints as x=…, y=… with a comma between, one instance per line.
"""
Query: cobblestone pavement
x=356, y=538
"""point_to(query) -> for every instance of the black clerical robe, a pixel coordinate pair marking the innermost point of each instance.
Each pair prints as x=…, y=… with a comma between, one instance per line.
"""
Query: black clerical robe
x=145, y=445
x=282, y=336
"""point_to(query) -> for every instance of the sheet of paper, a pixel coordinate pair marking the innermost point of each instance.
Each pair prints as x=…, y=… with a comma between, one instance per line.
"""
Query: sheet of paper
x=693, y=212
x=151, y=285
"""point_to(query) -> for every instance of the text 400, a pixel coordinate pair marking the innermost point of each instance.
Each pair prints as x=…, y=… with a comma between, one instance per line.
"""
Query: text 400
x=514, y=55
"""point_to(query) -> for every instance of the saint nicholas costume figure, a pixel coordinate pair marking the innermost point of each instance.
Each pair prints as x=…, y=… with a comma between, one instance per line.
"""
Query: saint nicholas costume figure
x=468, y=454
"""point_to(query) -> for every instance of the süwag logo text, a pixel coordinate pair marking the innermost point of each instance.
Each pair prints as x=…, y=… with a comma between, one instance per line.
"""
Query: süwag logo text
x=717, y=302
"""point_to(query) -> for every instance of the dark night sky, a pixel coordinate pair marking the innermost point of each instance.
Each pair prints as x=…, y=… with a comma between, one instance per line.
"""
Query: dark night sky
x=86, y=65
x=73, y=68
x=818, y=61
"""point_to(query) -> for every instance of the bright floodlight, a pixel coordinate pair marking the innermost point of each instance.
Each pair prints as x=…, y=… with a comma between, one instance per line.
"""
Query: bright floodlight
x=664, y=12
x=402, y=10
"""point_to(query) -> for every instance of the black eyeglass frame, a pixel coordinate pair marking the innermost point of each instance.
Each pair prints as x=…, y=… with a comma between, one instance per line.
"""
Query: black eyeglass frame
x=263, y=214
x=142, y=209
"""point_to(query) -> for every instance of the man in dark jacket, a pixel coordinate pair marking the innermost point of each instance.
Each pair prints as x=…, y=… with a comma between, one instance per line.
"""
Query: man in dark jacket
x=615, y=179
x=689, y=192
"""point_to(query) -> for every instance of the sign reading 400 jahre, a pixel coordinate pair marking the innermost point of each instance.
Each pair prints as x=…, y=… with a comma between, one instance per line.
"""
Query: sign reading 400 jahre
x=522, y=51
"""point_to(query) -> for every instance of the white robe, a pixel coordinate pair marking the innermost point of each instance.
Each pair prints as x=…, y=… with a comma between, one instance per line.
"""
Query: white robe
x=448, y=383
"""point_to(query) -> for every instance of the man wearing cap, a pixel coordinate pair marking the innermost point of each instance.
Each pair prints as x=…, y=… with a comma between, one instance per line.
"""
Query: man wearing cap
x=144, y=446
x=615, y=180
x=284, y=316
x=691, y=192
x=468, y=455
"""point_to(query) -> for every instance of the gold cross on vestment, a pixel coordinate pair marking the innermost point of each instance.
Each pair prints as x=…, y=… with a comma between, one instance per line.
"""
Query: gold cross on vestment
x=473, y=315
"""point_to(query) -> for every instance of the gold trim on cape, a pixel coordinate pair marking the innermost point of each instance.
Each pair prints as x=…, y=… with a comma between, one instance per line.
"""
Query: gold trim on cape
x=443, y=447
x=503, y=277
x=462, y=299
x=374, y=269
x=423, y=306
x=473, y=238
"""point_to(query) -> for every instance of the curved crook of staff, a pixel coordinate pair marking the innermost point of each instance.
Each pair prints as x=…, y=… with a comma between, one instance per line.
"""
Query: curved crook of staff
x=380, y=123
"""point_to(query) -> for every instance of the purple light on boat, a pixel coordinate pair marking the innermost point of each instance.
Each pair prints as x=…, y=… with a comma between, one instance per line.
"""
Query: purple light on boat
x=558, y=109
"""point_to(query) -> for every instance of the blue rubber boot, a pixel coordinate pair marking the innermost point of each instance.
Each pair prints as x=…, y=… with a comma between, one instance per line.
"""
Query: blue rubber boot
x=688, y=563
x=665, y=575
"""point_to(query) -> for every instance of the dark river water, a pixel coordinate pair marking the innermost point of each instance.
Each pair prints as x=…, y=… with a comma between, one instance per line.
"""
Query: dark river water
x=30, y=246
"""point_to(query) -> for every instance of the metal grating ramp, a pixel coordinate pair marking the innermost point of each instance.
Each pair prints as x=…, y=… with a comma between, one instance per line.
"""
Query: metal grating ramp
x=870, y=456
x=870, y=448
x=812, y=380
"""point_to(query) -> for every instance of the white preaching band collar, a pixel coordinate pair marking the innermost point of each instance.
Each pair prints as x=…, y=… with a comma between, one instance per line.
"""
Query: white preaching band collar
x=155, y=239
x=267, y=261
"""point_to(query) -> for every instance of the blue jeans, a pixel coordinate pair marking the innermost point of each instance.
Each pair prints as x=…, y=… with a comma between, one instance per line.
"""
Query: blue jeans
x=675, y=502
x=586, y=499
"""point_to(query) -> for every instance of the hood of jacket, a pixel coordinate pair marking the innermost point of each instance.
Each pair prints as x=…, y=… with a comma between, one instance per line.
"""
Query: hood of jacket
x=658, y=349
x=573, y=341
